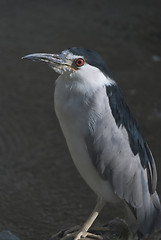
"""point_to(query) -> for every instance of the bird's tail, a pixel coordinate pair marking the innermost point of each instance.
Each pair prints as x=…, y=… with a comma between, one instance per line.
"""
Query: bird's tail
x=149, y=215
x=147, y=218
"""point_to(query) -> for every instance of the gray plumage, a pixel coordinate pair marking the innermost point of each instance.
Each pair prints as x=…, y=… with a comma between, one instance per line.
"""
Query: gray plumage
x=116, y=163
x=103, y=138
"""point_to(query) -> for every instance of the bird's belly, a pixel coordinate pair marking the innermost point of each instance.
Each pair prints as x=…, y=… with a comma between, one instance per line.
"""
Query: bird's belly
x=74, y=134
x=87, y=170
x=73, y=118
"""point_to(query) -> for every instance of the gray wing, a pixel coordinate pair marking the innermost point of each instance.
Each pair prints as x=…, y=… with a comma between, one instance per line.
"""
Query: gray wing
x=111, y=135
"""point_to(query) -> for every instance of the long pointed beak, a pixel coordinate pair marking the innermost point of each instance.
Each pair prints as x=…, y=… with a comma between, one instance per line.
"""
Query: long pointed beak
x=48, y=58
x=58, y=62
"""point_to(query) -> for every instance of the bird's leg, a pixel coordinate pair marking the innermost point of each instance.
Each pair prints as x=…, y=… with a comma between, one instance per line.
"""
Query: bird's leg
x=76, y=234
x=84, y=230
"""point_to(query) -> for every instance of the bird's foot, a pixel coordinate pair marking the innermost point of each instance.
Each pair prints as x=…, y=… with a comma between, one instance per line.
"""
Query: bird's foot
x=84, y=234
x=75, y=233
x=115, y=230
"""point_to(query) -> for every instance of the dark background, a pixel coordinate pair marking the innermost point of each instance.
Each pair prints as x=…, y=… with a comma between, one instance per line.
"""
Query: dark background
x=40, y=190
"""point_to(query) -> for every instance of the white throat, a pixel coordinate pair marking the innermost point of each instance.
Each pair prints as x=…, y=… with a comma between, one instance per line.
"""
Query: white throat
x=84, y=80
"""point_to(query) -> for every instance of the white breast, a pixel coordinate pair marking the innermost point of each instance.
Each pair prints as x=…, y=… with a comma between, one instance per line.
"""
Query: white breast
x=72, y=112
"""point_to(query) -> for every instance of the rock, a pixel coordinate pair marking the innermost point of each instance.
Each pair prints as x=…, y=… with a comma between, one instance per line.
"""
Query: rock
x=7, y=235
x=115, y=230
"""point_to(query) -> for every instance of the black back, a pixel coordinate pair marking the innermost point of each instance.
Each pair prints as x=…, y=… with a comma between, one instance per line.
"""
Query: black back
x=124, y=118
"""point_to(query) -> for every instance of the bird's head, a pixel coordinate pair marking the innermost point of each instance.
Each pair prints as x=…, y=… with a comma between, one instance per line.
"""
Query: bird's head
x=72, y=60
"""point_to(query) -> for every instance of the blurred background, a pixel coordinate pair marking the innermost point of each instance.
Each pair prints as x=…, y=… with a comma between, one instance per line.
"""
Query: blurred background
x=41, y=192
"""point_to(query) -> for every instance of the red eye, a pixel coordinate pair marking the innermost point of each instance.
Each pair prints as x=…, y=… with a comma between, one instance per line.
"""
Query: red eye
x=79, y=62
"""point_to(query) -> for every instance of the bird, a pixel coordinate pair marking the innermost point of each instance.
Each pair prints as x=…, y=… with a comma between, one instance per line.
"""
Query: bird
x=104, y=139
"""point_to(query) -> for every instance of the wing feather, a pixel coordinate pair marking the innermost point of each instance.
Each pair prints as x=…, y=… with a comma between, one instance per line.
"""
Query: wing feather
x=118, y=149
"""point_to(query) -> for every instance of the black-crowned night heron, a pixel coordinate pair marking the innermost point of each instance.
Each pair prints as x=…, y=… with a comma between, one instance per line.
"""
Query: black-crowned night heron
x=103, y=138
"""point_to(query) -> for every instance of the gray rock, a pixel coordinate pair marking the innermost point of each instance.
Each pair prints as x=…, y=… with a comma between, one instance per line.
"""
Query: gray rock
x=7, y=235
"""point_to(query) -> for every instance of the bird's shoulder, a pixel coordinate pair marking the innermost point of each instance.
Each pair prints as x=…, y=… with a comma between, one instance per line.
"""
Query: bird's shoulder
x=124, y=118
